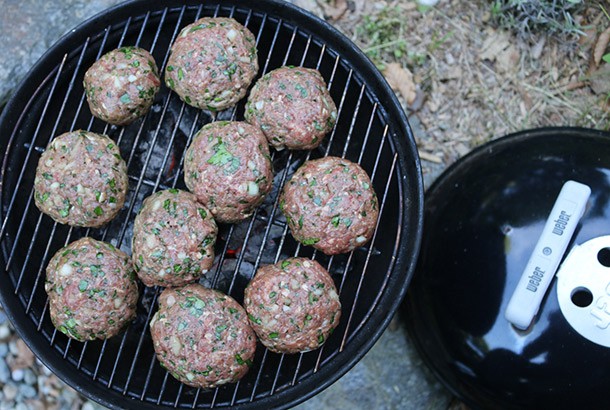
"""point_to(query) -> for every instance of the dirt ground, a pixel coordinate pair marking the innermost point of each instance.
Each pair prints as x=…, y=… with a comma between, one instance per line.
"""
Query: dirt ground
x=466, y=80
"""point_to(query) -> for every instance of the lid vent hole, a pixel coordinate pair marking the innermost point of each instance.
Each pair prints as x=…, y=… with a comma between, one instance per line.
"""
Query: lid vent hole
x=582, y=297
x=603, y=256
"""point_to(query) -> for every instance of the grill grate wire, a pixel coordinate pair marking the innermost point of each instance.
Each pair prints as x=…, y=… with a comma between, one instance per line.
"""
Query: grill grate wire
x=266, y=368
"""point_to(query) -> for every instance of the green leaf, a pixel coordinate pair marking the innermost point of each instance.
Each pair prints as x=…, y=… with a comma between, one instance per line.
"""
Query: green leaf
x=255, y=319
x=310, y=241
x=606, y=58
x=239, y=360
x=83, y=285
x=223, y=157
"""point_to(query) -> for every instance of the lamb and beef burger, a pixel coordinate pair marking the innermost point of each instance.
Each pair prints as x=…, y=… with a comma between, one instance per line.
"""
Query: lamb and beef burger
x=92, y=290
x=121, y=85
x=173, y=239
x=81, y=179
x=202, y=336
x=293, y=306
x=212, y=63
x=330, y=204
x=293, y=108
x=228, y=168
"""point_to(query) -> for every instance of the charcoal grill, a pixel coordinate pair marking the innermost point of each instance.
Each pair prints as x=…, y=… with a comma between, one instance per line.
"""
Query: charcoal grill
x=371, y=129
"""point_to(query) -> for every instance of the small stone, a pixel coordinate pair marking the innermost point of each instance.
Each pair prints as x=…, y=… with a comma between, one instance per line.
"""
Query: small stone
x=5, y=332
x=88, y=406
x=45, y=370
x=3, y=350
x=68, y=394
x=12, y=347
x=27, y=391
x=21, y=406
x=17, y=375
x=36, y=404
x=5, y=372
x=10, y=392
x=29, y=377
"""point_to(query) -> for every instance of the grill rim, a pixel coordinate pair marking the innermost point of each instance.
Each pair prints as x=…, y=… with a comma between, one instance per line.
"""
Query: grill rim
x=401, y=141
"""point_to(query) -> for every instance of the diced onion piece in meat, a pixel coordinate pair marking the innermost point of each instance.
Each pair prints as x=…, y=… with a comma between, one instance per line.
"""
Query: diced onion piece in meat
x=232, y=34
x=252, y=188
x=170, y=301
x=66, y=270
x=175, y=345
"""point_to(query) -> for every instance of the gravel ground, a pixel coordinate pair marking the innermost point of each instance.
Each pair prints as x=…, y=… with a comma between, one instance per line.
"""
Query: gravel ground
x=26, y=383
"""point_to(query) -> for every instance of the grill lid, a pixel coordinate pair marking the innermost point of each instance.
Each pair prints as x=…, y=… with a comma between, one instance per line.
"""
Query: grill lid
x=122, y=372
x=484, y=216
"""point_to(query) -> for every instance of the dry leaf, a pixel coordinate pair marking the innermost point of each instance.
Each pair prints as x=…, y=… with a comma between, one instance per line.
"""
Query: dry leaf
x=538, y=48
x=600, y=80
x=508, y=60
x=401, y=79
x=600, y=46
x=494, y=45
x=336, y=10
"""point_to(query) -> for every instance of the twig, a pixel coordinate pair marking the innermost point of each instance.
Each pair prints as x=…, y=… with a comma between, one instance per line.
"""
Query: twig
x=426, y=156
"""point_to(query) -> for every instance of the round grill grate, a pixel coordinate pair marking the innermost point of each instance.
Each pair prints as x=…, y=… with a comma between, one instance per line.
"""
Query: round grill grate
x=372, y=130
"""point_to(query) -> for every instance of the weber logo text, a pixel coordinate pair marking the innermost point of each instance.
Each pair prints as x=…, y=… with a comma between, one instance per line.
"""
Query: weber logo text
x=561, y=222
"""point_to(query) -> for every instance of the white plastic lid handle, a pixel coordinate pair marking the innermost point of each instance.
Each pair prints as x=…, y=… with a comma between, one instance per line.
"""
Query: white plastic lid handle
x=548, y=252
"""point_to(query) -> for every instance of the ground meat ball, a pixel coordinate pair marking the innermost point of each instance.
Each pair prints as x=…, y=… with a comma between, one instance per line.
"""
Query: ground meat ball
x=121, y=85
x=92, y=290
x=173, y=239
x=212, y=63
x=229, y=169
x=81, y=179
x=202, y=336
x=293, y=108
x=293, y=305
x=330, y=204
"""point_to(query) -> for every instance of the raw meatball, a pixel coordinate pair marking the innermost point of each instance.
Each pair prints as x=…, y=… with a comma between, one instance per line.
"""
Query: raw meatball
x=173, y=239
x=329, y=203
x=293, y=108
x=293, y=305
x=92, y=290
x=229, y=169
x=81, y=179
x=121, y=85
x=212, y=63
x=202, y=336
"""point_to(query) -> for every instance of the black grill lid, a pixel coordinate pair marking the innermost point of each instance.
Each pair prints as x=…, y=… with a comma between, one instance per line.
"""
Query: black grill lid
x=483, y=218
x=371, y=129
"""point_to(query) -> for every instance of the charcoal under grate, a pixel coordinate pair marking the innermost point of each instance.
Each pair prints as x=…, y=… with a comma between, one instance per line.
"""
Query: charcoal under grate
x=371, y=129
